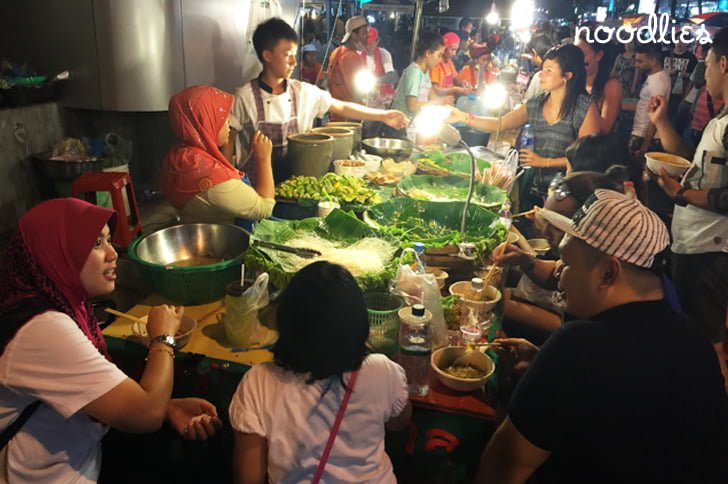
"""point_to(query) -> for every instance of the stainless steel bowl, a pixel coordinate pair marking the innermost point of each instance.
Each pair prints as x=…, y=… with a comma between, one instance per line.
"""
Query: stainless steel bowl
x=188, y=241
x=388, y=147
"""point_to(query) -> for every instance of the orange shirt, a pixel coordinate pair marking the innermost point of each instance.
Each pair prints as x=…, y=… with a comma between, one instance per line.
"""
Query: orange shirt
x=344, y=63
x=312, y=74
x=443, y=74
x=468, y=74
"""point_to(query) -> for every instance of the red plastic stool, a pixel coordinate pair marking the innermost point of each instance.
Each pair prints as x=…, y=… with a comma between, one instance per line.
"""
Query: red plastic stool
x=128, y=226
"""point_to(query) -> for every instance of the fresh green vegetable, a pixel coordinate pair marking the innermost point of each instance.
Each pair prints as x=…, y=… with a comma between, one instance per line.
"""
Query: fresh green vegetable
x=450, y=189
x=454, y=163
x=344, y=188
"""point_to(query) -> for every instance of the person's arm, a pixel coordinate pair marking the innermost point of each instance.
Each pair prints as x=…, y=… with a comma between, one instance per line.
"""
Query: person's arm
x=514, y=119
x=400, y=421
x=263, y=151
x=141, y=407
x=539, y=271
x=509, y=457
x=713, y=199
x=393, y=118
x=250, y=459
x=611, y=106
x=193, y=418
x=529, y=314
x=449, y=91
x=591, y=123
x=671, y=140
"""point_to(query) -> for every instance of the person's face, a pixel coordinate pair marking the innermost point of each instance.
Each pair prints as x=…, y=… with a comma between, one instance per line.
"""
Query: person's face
x=98, y=275
x=483, y=60
x=579, y=279
x=468, y=27
x=361, y=36
x=715, y=74
x=551, y=76
x=643, y=62
x=591, y=58
x=223, y=134
x=281, y=60
x=565, y=207
x=434, y=57
x=449, y=52
x=309, y=58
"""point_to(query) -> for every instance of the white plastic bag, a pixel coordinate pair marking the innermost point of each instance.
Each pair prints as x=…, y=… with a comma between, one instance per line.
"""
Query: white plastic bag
x=422, y=289
x=242, y=326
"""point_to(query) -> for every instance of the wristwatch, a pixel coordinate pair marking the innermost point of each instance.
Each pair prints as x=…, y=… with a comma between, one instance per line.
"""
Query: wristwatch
x=165, y=339
x=679, y=197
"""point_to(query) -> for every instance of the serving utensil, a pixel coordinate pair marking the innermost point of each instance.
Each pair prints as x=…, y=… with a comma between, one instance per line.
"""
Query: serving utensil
x=299, y=251
x=125, y=316
x=467, y=358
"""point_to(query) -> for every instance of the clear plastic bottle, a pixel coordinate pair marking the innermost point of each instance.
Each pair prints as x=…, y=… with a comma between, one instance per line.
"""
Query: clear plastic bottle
x=505, y=216
x=525, y=139
x=415, y=347
x=419, y=248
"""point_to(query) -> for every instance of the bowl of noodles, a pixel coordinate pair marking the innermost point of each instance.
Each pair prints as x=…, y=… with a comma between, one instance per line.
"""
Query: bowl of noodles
x=466, y=378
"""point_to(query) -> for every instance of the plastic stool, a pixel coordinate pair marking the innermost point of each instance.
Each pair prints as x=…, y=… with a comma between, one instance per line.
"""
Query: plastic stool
x=128, y=226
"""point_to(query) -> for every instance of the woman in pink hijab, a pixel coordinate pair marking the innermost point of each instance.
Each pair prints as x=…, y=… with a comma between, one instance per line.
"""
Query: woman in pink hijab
x=59, y=391
x=196, y=177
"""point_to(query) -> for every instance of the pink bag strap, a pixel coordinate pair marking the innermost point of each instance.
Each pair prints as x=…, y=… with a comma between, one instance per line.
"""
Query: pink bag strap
x=335, y=429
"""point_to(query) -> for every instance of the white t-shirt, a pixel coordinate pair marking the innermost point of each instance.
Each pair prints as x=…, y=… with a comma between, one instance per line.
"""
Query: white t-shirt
x=657, y=84
x=534, y=88
x=50, y=359
x=312, y=102
x=296, y=420
x=387, y=64
x=694, y=229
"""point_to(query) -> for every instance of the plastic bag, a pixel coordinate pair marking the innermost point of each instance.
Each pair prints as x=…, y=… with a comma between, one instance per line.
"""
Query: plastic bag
x=242, y=326
x=422, y=289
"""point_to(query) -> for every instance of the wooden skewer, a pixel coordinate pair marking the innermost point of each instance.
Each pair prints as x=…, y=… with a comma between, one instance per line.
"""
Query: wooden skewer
x=527, y=212
x=494, y=266
x=125, y=316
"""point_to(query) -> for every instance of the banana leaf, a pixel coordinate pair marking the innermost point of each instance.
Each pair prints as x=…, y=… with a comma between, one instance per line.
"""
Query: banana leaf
x=436, y=224
x=338, y=226
x=449, y=189
x=454, y=163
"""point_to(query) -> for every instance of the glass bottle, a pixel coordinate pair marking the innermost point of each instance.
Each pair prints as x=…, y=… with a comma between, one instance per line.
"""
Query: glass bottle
x=415, y=347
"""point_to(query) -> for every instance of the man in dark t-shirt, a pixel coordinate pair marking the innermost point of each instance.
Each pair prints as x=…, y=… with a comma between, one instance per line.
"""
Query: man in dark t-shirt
x=626, y=391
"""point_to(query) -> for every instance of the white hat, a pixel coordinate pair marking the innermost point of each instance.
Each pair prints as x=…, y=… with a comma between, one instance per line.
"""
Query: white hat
x=308, y=48
x=352, y=24
x=617, y=226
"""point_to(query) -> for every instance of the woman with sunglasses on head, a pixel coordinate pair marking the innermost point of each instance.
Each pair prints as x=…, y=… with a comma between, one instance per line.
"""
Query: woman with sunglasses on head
x=561, y=115
x=532, y=309
x=59, y=390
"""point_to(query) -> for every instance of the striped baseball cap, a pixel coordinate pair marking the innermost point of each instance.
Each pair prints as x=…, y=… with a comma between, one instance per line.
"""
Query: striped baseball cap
x=617, y=226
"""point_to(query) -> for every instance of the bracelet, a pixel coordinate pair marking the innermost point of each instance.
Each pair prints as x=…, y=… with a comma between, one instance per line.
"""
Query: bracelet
x=163, y=349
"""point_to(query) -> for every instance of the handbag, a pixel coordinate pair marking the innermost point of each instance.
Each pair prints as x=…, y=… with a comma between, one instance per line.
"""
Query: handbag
x=335, y=429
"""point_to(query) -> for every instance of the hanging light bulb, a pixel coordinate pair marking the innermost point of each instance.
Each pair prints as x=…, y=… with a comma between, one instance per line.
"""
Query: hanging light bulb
x=492, y=18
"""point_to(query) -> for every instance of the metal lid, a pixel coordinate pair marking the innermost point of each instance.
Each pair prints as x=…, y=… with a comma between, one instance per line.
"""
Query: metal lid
x=418, y=310
x=419, y=247
x=477, y=283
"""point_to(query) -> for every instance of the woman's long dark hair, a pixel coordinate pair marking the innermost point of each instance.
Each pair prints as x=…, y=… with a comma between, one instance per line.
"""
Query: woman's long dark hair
x=605, y=64
x=428, y=41
x=570, y=59
x=323, y=323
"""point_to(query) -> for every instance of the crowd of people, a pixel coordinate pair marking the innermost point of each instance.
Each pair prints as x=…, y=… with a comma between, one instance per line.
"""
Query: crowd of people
x=620, y=335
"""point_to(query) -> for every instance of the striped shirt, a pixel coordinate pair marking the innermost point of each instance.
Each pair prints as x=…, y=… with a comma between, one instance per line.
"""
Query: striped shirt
x=551, y=140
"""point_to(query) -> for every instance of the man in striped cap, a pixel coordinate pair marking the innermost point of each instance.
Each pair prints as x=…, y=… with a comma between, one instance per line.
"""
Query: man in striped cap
x=626, y=389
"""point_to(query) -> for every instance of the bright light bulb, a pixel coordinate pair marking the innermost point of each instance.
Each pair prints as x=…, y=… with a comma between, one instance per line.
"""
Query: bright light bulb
x=313, y=15
x=371, y=19
x=364, y=81
x=495, y=95
x=428, y=122
x=392, y=15
x=522, y=14
x=492, y=18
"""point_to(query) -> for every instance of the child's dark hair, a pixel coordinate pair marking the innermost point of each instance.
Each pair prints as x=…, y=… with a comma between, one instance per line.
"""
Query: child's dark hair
x=570, y=59
x=323, y=323
x=582, y=184
x=605, y=63
x=597, y=152
x=429, y=41
x=269, y=33
x=541, y=43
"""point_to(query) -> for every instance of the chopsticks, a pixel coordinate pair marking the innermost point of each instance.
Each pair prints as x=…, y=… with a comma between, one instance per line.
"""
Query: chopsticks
x=125, y=316
x=527, y=212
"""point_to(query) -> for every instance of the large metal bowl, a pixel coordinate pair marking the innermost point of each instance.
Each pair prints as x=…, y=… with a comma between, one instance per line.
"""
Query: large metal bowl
x=214, y=253
x=388, y=147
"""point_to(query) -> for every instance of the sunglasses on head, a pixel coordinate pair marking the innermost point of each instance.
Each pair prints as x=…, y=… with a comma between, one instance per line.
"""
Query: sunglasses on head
x=559, y=189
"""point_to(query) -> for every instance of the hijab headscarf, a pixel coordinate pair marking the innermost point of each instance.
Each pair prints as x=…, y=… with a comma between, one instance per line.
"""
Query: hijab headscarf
x=44, y=260
x=196, y=114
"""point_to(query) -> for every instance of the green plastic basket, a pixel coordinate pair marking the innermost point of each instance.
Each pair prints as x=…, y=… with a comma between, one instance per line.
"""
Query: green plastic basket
x=188, y=285
x=382, y=308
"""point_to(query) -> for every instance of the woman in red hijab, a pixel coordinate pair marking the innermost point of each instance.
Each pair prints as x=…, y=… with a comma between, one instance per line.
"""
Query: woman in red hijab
x=59, y=391
x=196, y=178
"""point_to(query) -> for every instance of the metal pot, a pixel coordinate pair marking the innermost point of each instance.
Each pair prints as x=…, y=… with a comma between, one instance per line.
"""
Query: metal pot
x=64, y=170
x=388, y=147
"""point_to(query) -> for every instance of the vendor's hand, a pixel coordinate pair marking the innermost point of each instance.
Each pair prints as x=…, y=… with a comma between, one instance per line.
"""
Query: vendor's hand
x=511, y=255
x=164, y=320
x=468, y=86
x=657, y=109
x=262, y=147
x=193, y=418
x=395, y=119
x=445, y=100
x=530, y=158
x=464, y=91
x=668, y=184
x=518, y=351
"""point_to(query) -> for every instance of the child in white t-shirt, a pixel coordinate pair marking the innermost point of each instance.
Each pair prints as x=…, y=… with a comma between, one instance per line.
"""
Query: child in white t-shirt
x=283, y=411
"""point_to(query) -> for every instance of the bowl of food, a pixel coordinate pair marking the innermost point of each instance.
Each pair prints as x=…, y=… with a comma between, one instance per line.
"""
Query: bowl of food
x=463, y=291
x=350, y=167
x=541, y=246
x=674, y=165
x=465, y=378
x=186, y=327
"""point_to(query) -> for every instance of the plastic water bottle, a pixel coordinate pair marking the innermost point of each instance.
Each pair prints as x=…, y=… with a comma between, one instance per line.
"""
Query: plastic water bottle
x=525, y=139
x=415, y=347
x=505, y=216
x=419, y=264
